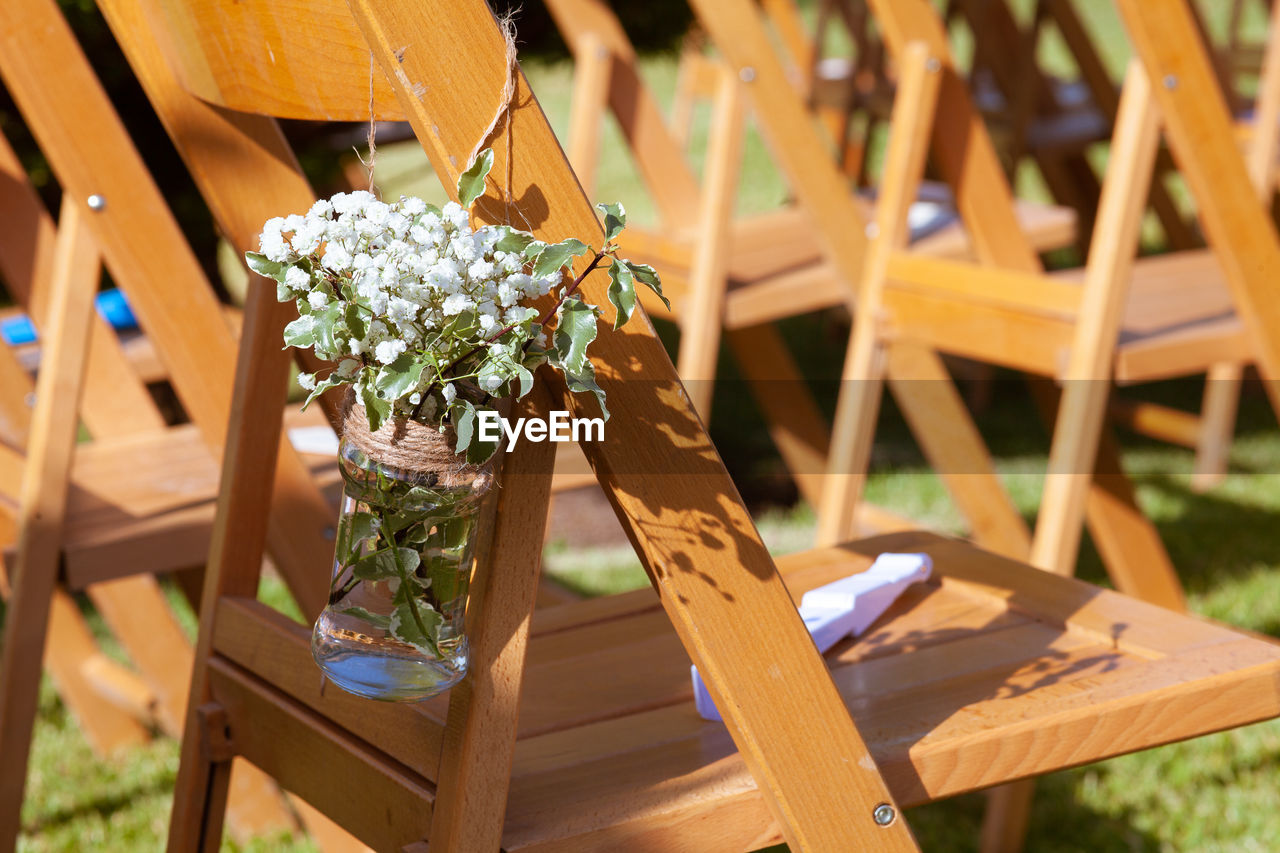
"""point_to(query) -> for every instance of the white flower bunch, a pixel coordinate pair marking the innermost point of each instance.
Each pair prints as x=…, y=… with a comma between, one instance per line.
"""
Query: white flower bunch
x=429, y=318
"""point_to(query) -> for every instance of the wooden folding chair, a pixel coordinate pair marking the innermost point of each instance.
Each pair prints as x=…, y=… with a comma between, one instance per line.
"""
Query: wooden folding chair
x=1052, y=122
x=989, y=672
x=1004, y=310
x=1128, y=542
x=104, y=516
x=1211, y=434
x=745, y=274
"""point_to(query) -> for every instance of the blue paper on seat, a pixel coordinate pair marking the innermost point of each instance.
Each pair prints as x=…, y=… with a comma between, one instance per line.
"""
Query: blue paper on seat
x=112, y=306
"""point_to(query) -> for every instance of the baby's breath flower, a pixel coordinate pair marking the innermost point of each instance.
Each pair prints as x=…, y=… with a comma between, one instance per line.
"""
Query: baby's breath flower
x=382, y=279
x=387, y=351
x=296, y=279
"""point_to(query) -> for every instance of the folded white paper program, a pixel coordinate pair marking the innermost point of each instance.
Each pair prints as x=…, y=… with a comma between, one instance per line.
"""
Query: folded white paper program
x=843, y=608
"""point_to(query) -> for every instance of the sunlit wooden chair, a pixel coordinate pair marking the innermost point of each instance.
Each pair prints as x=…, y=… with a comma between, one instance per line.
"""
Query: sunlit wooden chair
x=575, y=728
x=1083, y=329
x=1052, y=122
x=105, y=516
x=743, y=274
x=1211, y=433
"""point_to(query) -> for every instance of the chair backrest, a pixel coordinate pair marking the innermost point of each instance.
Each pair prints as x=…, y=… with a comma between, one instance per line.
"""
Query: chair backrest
x=707, y=582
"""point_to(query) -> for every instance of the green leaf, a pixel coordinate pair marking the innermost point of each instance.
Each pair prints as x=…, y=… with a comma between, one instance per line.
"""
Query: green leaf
x=471, y=182
x=332, y=382
x=648, y=276
x=460, y=326
x=418, y=624
x=445, y=577
x=377, y=620
x=463, y=415
x=480, y=450
x=556, y=255
x=376, y=409
x=362, y=526
x=622, y=292
x=585, y=380
x=383, y=565
x=355, y=323
x=399, y=377
x=300, y=333
x=512, y=240
x=615, y=219
x=264, y=266
x=526, y=379
x=324, y=323
x=576, y=330
x=405, y=518
x=534, y=249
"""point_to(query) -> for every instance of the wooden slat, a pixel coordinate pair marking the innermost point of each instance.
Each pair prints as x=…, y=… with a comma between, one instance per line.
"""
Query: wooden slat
x=1088, y=370
x=134, y=609
x=479, y=739
x=958, y=453
x=700, y=329
x=788, y=128
x=260, y=640
x=797, y=427
x=989, y=285
x=380, y=801
x=813, y=790
x=986, y=333
x=865, y=366
x=42, y=507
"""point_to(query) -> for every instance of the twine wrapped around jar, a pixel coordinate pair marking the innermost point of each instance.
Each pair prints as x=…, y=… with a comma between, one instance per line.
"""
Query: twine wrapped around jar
x=414, y=447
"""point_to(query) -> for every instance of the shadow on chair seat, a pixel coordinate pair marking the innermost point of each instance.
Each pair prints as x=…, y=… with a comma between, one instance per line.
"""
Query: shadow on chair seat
x=965, y=682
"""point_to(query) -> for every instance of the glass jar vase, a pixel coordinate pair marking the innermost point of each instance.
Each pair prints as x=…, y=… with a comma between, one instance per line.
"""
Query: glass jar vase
x=393, y=628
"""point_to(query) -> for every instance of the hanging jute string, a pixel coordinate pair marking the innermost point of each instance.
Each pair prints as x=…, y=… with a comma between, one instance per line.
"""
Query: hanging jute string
x=508, y=28
x=401, y=442
x=503, y=114
x=373, y=142
x=420, y=449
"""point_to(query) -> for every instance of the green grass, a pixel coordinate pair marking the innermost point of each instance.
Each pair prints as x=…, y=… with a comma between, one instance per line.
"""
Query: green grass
x=1213, y=794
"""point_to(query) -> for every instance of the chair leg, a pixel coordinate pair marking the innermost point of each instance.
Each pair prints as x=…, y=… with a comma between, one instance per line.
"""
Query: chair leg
x=1217, y=424
x=701, y=326
x=204, y=779
x=42, y=507
x=1004, y=825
